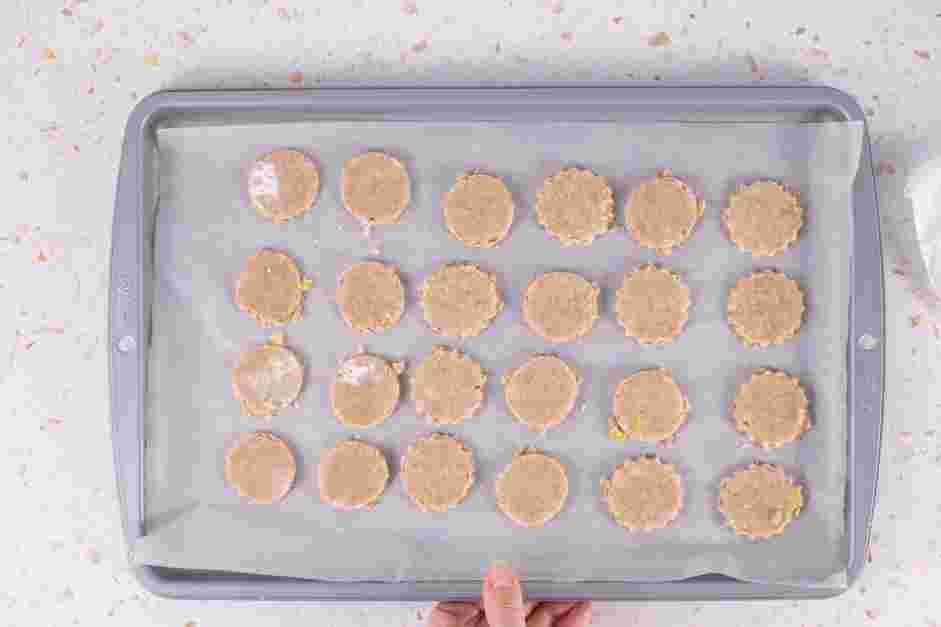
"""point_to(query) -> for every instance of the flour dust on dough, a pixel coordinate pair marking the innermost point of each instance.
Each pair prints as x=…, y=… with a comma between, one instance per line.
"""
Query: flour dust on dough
x=282, y=184
x=365, y=390
x=267, y=379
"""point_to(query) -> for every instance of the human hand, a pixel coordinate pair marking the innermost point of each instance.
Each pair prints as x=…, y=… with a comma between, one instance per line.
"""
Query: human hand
x=502, y=605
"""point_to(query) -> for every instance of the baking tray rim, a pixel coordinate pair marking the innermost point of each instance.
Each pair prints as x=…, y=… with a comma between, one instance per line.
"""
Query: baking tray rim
x=128, y=302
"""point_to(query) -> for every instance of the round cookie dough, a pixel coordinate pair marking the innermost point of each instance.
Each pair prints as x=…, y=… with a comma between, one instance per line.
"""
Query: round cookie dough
x=766, y=308
x=365, y=390
x=376, y=188
x=371, y=296
x=352, y=475
x=532, y=489
x=560, y=306
x=283, y=184
x=763, y=218
x=652, y=305
x=460, y=300
x=542, y=392
x=448, y=386
x=643, y=494
x=267, y=379
x=662, y=212
x=261, y=467
x=478, y=210
x=648, y=406
x=438, y=472
x=760, y=501
x=771, y=408
x=271, y=288
x=575, y=206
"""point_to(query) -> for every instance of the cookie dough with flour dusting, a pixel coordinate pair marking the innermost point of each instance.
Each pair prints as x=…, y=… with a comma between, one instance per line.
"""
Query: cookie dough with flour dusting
x=365, y=390
x=267, y=379
x=283, y=184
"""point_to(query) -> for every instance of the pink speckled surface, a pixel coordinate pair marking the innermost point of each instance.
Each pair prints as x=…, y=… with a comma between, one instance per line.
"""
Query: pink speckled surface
x=72, y=71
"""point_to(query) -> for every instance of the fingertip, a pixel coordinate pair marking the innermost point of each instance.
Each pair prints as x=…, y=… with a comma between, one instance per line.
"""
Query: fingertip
x=452, y=613
x=578, y=616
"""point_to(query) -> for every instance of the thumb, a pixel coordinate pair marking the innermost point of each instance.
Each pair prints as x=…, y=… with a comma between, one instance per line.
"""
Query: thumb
x=503, y=597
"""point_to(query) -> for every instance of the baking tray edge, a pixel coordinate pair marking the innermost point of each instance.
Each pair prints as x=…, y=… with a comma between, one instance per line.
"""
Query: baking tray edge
x=129, y=301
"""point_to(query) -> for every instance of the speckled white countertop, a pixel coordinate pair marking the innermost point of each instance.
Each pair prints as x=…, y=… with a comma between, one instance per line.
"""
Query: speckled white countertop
x=73, y=69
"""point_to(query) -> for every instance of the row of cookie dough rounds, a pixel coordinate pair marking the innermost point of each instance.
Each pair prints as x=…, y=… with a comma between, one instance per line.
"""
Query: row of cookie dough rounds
x=461, y=300
x=438, y=472
x=771, y=408
x=575, y=206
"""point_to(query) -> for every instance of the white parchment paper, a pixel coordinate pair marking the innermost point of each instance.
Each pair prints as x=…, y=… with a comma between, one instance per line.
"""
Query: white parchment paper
x=205, y=231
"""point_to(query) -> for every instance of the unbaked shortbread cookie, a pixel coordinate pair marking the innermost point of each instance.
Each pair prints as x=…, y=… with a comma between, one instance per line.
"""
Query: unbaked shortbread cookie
x=760, y=501
x=662, y=212
x=376, y=188
x=371, y=296
x=652, y=305
x=271, y=288
x=353, y=474
x=478, y=210
x=267, y=379
x=648, y=406
x=438, y=472
x=575, y=206
x=643, y=494
x=460, y=300
x=532, y=489
x=763, y=218
x=766, y=308
x=542, y=392
x=560, y=306
x=771, y=408
x=365, y=390
x=261, y=467
x=448, y=386
x=283, y=184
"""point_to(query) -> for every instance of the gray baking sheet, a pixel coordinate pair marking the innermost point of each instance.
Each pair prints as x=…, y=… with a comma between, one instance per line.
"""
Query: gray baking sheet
x=205, y=231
